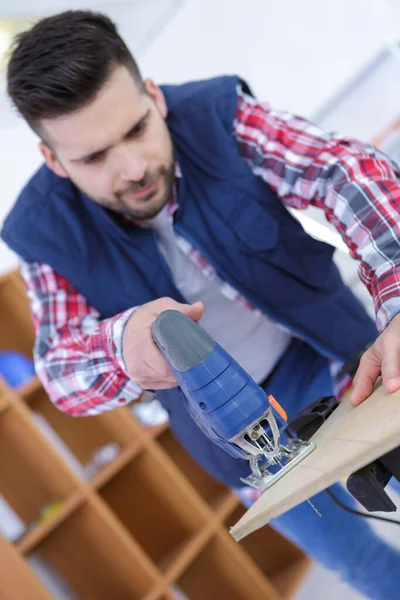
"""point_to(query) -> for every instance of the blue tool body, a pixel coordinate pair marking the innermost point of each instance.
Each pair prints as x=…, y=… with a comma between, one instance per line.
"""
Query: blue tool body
x=220, y=396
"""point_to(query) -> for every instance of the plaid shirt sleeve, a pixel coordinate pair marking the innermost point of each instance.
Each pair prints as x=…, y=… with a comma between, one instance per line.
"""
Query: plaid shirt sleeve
x=355, y=184
x=78, y=356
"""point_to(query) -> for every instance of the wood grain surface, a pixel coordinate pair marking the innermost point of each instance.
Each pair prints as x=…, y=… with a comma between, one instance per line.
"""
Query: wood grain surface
x=351, y=438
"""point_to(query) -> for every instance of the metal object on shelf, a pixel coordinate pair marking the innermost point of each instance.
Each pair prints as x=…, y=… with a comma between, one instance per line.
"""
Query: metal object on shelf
x=101, y=457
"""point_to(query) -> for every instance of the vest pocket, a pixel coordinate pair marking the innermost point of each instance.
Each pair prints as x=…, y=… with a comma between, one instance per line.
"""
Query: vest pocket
x=256, y=229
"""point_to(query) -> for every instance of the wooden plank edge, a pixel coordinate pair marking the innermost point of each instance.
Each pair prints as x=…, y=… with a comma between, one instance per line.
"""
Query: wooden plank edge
x=371, y=453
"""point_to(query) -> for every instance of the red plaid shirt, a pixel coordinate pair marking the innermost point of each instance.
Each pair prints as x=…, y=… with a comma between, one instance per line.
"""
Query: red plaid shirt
x=79, y=357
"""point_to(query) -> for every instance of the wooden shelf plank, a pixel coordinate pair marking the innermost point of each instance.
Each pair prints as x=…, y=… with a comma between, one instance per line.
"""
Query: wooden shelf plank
x=16, y=327
x=225, y=505
x=160, y=592
x=40, y=532
x=97, y=556
x=211, y=491
x=4, y=402
x=250, y=571
x=29, y=462
x=111, y=470
x=176, y=562
x=223, y=570
x=285, y=567
x=17, y=581
x=28, y=390
x=93, y=519
x=288, y=580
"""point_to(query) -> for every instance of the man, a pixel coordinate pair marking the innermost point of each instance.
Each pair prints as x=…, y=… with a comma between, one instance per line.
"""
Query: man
x=176, y=197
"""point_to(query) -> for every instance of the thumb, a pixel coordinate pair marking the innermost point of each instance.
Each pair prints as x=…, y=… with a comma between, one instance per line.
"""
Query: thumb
x=391, y=369
x=194, y=311
x=365, y=378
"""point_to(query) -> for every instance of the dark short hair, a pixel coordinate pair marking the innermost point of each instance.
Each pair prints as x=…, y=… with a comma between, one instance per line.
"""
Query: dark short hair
x=60, y=64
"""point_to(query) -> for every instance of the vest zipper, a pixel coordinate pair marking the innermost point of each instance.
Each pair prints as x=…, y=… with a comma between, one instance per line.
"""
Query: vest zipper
x=315, y=345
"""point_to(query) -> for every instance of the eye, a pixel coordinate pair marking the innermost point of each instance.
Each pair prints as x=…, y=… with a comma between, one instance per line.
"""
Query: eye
x=94, y=158
x=137, y=130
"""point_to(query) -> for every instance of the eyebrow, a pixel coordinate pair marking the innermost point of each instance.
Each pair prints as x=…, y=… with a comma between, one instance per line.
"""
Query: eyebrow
x=101, y=150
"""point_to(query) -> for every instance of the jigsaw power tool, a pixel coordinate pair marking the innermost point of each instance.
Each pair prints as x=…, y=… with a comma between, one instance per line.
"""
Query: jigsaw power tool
x=226, y=403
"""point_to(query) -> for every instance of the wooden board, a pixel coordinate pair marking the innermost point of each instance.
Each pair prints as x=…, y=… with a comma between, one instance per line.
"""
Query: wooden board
x=351, y=438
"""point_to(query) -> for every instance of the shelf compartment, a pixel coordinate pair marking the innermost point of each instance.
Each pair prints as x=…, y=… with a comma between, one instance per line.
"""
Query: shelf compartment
x=227, y=506
x=111, y=470
x=176, y=561
x=35, y=536
x=16, y=328
x=219, y=571
x=32, y=474
x=17, y=581
x=51, y=579
x=213, y=492
x=282, y=562
x=86, y=435
x=159, y=513
x=91, y=552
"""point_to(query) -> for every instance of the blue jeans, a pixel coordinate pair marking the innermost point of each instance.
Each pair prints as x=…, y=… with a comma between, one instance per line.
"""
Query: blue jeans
x=342, y=542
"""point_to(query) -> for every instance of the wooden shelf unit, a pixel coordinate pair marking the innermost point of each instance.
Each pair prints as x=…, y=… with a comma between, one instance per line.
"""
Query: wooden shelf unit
x=150, y=525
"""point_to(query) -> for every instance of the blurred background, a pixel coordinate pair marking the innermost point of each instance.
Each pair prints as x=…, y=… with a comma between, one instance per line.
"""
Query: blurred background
x=336, y=63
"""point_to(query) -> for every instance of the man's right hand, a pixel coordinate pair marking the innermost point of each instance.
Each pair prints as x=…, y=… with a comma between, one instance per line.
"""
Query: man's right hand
x=144, y=362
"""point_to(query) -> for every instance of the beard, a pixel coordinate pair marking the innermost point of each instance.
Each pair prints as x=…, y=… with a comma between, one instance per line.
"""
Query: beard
x=149, y=205
x=145, y=207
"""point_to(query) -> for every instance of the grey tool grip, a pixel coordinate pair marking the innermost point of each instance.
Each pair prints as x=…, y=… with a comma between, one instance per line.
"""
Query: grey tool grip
x=182, y=341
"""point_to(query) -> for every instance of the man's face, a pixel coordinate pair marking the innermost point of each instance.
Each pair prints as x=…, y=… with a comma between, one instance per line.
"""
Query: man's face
x=117, y=149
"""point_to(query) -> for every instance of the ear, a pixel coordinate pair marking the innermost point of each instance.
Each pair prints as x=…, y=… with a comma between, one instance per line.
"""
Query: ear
x=157, y=95
x=52, y=161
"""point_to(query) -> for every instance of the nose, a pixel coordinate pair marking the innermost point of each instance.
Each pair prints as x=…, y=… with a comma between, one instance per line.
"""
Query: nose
x=130, y=166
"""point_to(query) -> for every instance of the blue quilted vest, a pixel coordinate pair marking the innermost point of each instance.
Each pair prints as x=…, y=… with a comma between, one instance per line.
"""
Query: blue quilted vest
x=230, y=215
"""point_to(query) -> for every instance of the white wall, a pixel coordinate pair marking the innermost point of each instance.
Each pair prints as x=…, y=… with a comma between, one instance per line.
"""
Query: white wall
x=293, y=53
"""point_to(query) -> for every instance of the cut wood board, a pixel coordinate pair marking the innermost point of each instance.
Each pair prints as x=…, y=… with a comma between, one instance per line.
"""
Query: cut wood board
x=351, y=438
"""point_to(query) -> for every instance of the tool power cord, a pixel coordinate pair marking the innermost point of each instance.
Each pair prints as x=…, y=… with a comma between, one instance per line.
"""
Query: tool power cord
x=358, y=512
